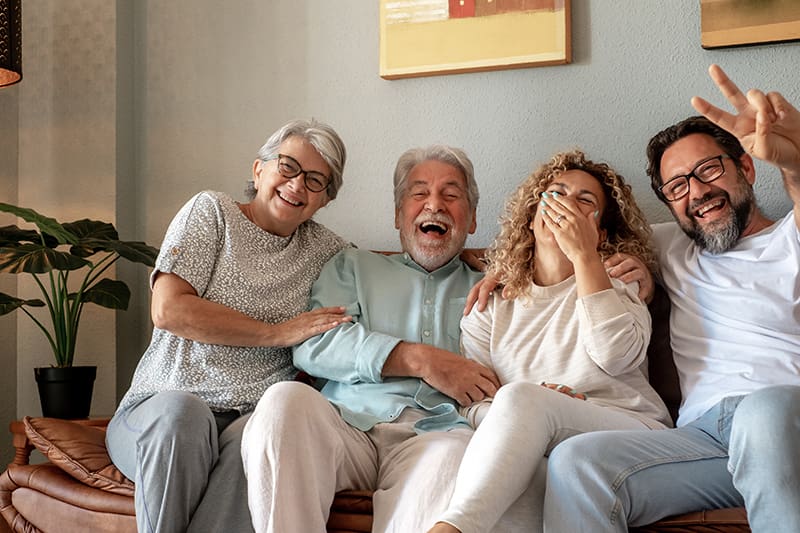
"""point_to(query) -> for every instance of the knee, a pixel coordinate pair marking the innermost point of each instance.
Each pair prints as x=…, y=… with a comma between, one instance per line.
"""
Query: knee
x=518, y=395
x=181, y=411
x=170, y=421
x=777, y=406
x=595, y=459
x=181, y=417
x=285, y=403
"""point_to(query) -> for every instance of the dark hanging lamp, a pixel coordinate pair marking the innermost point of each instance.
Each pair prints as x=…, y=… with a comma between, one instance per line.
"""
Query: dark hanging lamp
x=10, y=42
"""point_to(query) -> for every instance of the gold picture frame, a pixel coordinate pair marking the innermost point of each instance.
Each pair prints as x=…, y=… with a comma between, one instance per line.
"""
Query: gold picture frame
x=432, y=37
x=725, y=23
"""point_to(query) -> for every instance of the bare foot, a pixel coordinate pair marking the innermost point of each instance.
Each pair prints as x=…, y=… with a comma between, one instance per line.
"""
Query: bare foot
x=441, y=527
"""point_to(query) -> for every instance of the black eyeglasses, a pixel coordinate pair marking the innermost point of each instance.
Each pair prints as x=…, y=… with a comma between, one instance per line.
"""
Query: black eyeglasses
x=289, y=168
x=705, y=172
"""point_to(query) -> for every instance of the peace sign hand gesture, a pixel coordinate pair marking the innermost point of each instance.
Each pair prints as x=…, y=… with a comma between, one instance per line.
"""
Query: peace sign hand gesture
x=766, y=124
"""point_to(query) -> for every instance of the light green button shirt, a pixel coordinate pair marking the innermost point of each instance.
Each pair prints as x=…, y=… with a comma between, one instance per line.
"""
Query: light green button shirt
x=391, y=299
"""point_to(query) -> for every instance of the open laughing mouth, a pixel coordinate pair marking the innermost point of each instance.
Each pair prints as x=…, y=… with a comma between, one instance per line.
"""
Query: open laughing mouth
x=710, y=206
x=295, y=203
x=433, y=228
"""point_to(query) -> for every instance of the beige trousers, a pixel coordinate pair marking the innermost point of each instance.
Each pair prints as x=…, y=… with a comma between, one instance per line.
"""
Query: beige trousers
x=298, y=452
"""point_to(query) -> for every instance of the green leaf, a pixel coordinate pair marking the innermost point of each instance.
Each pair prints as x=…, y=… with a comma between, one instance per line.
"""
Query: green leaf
x=37, y=259
x=8, y=303
x=93, y=236
x=135, y=251
x=28, y=251
x=45, y=224
x=108, y=293
x=12, y=235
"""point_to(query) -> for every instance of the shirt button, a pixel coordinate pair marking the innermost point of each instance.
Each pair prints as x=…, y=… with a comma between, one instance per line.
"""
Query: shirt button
x=428, y=301
x=426, y=333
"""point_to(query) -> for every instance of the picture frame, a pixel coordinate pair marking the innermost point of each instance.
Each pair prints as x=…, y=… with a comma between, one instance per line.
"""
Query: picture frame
x=434, y=37
x=729, y=23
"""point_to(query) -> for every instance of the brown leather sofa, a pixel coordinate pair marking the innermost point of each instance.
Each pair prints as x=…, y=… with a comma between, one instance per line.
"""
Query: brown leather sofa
x=80, y=490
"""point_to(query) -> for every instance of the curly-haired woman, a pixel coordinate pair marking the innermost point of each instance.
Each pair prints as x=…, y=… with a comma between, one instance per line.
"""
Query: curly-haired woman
x=568, y=343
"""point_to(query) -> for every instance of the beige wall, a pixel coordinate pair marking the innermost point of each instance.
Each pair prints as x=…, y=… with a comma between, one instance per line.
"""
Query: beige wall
x=67, y=162
x=8, y=323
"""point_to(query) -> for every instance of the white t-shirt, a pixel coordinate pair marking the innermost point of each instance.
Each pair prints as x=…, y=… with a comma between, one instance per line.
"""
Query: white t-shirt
x=735, y=322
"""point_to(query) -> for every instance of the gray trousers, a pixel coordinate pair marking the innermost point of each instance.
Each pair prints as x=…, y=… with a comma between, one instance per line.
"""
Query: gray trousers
x=186, y=463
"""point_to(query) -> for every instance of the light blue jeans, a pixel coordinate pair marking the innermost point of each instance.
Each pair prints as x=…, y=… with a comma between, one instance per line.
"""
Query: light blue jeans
x=186, y=463
x=743, y=451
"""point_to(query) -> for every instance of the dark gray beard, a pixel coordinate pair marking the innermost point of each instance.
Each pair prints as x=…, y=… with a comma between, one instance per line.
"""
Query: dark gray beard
x=724, y=234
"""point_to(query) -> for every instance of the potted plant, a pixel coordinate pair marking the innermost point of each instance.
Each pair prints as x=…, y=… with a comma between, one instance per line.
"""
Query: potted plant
x=84, y=249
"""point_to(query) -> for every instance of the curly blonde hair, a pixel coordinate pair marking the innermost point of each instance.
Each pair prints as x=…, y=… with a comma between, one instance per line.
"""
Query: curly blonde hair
x=510, y=258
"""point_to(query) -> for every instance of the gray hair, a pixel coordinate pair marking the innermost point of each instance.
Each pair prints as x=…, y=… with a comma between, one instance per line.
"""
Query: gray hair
x=319, y=135
x=449, y=155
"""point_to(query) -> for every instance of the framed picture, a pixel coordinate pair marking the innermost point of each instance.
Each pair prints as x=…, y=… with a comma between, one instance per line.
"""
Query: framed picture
x=431, y=37
x=746, y=22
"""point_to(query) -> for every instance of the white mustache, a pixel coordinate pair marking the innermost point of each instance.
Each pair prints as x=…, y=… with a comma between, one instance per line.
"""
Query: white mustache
x=427, y=218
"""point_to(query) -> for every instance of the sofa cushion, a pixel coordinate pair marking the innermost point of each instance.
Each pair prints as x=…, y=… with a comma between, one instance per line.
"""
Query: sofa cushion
x=80, y=451
x=661, y=366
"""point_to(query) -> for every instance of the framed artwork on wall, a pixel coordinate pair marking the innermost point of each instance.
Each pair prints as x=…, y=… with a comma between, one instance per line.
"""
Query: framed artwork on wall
x=432, y=37
x=746, y=22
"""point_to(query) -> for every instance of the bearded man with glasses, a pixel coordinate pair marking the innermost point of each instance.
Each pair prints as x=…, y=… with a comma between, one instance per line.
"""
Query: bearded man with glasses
x=733, y=277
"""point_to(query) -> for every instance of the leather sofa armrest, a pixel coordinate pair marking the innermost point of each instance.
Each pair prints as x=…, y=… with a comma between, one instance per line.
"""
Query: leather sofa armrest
x=22, y=446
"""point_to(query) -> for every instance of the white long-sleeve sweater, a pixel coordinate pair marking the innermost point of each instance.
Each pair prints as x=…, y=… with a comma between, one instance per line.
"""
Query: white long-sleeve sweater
x=596, y=345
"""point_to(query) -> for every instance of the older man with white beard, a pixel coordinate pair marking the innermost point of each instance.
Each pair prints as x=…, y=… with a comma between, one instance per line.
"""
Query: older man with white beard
x=387, y=418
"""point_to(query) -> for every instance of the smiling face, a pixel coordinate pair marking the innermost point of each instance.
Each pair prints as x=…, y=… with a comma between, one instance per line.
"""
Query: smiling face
x=434, y=217
x=583, y=189
x=282, y=204
x=715, y=215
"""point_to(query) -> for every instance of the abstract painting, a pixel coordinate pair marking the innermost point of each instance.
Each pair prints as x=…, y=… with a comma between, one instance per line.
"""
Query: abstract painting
x=431, y=37
x=747, y=22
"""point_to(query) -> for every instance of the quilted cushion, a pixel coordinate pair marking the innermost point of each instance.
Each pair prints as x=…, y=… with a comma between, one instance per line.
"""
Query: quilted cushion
x=80, y=451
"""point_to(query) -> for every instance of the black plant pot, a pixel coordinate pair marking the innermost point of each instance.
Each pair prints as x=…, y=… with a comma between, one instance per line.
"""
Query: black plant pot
x=66, y=392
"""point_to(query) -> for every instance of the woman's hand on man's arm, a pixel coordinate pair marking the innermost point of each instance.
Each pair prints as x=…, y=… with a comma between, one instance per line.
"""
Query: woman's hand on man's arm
x=177, y=308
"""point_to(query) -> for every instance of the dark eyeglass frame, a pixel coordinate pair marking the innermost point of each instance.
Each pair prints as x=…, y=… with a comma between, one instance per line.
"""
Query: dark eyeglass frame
x=314, y=181
x=693, y=174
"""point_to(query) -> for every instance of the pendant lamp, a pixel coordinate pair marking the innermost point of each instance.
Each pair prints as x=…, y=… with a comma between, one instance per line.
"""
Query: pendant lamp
x=10, y=42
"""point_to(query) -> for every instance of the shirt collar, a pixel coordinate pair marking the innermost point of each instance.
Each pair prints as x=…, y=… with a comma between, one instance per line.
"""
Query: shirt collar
x=446, y=269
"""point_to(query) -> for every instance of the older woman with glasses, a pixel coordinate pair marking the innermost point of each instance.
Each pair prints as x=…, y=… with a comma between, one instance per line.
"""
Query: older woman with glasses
x=230, y=290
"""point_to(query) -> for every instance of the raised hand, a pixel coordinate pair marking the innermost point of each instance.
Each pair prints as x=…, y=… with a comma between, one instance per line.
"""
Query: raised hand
x=766, y=124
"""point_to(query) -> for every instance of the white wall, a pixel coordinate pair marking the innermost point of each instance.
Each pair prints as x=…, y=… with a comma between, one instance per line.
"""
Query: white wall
x=219, y=81
x=162, y=98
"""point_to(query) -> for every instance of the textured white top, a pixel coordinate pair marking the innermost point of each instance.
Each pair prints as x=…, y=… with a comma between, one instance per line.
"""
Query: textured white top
x=230, y=260
x=597, y=345
x=735, y=322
